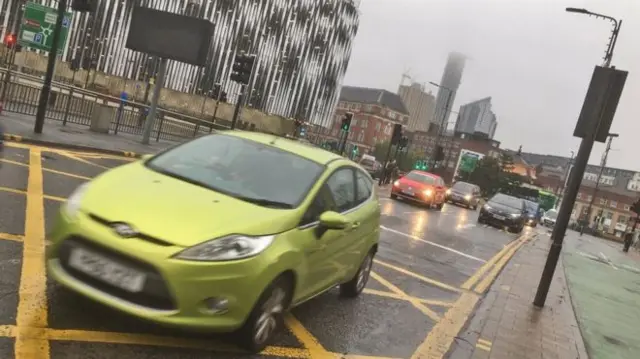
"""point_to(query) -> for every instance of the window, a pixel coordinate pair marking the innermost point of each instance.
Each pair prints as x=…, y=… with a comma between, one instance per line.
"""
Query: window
x=603, y=201
x=392, y=115
x=627, y=207
x=589, y=197
x=613, y=204
x=368, y=108
x=364, y=187
x=579, y=195
x=320, y=204
x=343, y=189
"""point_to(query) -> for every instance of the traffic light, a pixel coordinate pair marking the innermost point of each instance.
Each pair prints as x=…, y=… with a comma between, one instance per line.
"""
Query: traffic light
x=346, y=121
x=403, y=143
x=242, y=68
x=396, y=136
x=10, y=40
x=355, y=151
x=420, y=165
x=83, y=5
x=439, y=153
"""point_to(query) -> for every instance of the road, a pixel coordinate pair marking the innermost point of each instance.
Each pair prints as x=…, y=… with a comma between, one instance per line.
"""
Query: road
x=430, y=272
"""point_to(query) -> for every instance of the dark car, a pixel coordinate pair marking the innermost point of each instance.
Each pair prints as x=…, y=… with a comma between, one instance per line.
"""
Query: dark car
x=504, y=211
x=533, y=213
x=463, y=193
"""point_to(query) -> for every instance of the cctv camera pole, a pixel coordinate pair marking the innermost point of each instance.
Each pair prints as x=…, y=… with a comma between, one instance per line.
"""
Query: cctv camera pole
x=51, y=65
x=148, y=125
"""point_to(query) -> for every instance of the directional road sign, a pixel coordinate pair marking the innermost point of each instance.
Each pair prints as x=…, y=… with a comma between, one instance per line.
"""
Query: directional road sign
x=38, y=23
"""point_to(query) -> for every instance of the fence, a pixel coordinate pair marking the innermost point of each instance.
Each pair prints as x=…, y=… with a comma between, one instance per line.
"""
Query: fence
x=67, y=104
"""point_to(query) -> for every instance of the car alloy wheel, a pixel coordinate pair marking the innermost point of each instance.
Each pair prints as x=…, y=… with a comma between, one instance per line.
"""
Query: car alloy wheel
x=363, y=273
x=271, y=312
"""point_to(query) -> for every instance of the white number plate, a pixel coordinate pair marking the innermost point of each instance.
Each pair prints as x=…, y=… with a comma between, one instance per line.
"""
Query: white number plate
x=106, y=270
x=499, y=217
x=410, y=193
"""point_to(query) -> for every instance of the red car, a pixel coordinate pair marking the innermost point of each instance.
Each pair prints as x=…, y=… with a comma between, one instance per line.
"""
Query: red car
x=422, y=187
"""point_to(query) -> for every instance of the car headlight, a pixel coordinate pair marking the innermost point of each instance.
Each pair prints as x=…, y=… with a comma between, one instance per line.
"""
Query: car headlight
x=515, y=215
x=227, y=248
x=448, y=191
x=396, y=183
x=467, y=197
x=486, y=207
x=72, y=205
x=427, y=192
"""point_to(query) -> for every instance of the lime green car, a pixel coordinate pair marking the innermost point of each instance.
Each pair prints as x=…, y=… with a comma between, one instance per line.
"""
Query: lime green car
x=223, y=233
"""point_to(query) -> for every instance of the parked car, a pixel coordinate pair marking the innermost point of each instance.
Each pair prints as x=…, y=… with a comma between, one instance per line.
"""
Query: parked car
x=463, y=193
x=421, y=187
x=222, y=233
x=549, y=218
x=504, y=211
x=370, y=164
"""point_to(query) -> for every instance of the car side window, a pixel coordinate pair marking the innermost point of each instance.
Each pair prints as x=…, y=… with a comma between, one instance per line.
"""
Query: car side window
x=343, y=189
x=321, y=203
x=364, y=187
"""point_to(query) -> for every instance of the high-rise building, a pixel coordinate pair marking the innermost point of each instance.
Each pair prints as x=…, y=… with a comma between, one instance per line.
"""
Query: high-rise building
x=302, y=47
x=449, y=85
x=477, y=118
x=419, y=104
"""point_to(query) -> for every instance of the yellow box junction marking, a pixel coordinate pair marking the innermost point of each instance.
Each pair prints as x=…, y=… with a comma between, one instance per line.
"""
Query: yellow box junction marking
x=418, y=276
x=32, y=305
x=484, y=345
x=414, y=301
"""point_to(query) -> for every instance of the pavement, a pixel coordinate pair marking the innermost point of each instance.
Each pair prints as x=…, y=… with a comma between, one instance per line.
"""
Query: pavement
x=432, y=270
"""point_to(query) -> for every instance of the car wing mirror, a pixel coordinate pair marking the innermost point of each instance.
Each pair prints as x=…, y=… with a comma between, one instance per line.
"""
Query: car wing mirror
x=333, y=220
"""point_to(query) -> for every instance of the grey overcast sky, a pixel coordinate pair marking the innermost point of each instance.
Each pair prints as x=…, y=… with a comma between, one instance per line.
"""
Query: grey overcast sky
x=534, y=59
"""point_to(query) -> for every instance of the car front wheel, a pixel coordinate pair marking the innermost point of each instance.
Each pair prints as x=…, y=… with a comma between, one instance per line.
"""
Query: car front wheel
x=267, y=317
x=355, y=286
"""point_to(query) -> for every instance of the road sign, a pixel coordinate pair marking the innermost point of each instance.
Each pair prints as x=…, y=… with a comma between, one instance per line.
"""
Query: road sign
x=38, y=23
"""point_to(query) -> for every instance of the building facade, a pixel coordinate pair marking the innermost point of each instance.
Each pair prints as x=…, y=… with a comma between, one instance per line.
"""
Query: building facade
x=420, y=105
x=449, y=85
x=375, y=111
x=477, y=118
x=302, y=48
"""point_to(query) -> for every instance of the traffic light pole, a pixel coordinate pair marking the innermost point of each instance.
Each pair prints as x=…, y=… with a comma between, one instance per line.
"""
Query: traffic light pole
x=153, y=108
x=236, y=111
x=51, y=65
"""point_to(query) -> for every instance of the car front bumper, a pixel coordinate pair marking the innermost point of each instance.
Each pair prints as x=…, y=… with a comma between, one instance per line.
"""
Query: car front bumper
x=507, y=221
x=418, y=197
x=175, y=292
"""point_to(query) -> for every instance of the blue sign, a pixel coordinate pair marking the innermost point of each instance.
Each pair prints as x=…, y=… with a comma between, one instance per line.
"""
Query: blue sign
x=37, y=38
x=124, y=96
x=66, y=21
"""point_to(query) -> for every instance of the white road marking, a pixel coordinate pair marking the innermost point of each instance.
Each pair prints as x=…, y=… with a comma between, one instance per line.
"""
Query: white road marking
x=606, y=259
x=433, y=244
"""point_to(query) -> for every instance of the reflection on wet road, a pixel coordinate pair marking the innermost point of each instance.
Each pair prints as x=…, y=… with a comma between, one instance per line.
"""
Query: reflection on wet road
x=424, y=258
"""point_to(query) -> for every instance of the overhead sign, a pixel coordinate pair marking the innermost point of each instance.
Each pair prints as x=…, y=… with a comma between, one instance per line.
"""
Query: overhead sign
x=467, y=161
x=38, y=23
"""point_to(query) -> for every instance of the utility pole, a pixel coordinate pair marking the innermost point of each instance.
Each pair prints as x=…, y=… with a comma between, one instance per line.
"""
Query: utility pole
x=593, y=125
x=603, y=164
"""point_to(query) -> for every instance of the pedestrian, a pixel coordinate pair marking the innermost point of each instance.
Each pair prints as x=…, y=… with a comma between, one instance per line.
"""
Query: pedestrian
x=628, y=240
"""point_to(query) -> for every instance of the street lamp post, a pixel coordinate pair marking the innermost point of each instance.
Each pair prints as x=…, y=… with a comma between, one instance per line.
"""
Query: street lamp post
x=573, y=187
x=603, y=164
x=443, y=122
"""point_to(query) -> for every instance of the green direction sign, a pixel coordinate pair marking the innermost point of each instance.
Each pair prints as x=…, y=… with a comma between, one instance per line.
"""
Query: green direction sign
x=38, y=23
x=468, y=162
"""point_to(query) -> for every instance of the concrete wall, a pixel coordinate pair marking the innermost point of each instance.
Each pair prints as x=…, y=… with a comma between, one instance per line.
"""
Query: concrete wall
x=173, y=100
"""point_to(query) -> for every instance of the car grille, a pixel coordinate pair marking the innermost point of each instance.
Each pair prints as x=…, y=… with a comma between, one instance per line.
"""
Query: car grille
x=548, y=223
x=154, y=295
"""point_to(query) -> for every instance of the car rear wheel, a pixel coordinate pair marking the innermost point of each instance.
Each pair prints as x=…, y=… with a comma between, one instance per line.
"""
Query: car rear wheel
x=267, y=317
x=355, y=286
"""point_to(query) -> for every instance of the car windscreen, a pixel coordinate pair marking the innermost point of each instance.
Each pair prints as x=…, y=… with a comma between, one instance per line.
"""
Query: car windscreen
x=241, y=168
x=419, y=177
x=463, y=187
x=532, y=207
x=509, y=201
x=551, y=214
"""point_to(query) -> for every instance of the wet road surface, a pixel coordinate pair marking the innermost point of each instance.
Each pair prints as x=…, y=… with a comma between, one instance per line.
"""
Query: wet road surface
x=425, y=259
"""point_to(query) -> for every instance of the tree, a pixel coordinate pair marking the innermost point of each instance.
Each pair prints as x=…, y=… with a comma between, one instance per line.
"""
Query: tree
x=508, y=180
x=486, y=174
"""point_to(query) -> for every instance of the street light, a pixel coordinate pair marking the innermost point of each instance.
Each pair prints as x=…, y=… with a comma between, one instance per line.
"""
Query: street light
x=614, y=33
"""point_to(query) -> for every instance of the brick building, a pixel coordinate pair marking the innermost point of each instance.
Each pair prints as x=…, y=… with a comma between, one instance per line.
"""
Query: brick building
x=375, y=111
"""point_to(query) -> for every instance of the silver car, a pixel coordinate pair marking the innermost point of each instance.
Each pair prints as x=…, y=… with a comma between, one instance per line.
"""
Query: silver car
x=549, y=218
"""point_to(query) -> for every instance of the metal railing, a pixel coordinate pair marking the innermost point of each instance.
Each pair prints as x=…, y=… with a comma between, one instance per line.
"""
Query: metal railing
x=70, y=104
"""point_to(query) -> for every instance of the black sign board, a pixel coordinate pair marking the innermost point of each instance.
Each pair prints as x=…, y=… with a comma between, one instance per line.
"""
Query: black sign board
x=170, y=36
x=601, y=103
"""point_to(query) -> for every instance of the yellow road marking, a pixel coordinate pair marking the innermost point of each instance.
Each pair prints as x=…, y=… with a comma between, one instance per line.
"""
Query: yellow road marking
x=54, y=198
x=380, y=293
x=11, y=237
x=418, y=276
x=161, y=341
x=316, y=350
x=486, y=282
x=484, y=342
x=79, y=159
x=490, y=263
x=355, y=356
x=483, y=347
x=7, y=331
x=421, y=307
x=32, y=304
x=437, y=343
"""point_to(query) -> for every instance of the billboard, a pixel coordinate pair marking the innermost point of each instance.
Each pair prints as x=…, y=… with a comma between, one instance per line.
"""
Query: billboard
x=170, y=36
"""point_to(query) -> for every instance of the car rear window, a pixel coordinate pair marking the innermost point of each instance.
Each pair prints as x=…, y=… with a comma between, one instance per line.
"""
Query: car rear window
x=419, y=177
x=508, y=201
x=464, y=187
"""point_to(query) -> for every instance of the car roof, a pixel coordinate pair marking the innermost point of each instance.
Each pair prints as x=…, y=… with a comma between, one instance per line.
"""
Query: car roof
x=303, y=149
x=425, y=173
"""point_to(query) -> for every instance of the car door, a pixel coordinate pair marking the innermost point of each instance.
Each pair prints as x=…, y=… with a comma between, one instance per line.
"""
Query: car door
x=314, y=241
